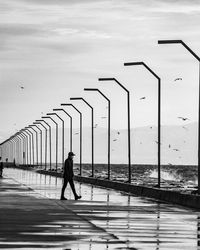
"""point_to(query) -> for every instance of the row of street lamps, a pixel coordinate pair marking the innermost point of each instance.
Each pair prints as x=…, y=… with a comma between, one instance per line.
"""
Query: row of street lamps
x=25, y=135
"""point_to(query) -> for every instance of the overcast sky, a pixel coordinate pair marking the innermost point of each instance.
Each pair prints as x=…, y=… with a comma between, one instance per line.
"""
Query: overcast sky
x=56, y=48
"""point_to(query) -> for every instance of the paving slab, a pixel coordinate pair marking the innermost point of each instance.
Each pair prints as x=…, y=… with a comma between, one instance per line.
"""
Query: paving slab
x=33, y=217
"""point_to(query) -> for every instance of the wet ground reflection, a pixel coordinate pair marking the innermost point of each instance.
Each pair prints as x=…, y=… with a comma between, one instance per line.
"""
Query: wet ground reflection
x=107, y=219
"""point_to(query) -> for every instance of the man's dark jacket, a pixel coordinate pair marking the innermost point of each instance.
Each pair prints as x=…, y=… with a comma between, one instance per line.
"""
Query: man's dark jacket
x=68, y=169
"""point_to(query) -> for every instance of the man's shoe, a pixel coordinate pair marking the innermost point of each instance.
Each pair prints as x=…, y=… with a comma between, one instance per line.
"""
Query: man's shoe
x=78, y=197
x=63, y=198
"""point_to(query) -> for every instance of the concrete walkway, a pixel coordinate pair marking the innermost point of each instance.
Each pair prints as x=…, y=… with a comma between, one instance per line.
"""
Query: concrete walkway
x=33, y=217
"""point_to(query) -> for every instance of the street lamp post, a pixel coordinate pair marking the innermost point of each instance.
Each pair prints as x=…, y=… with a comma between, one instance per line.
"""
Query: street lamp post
x=29, y=136
x=35, y=125
x=198, y=59
x=70, y=125
x=63, y=134
x=129, y=129
x=159, y=109
x=24, y=147
x=48, y=117
x=69, y=104
x=32, y=143
x=49, y=142
x=36, y=134
x=22, y=151
x=108, y=100
x=26, y=143
x=92, y=127
x=45, y=159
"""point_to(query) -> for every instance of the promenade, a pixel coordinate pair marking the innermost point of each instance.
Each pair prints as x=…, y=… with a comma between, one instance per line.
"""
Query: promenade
x=33, y=217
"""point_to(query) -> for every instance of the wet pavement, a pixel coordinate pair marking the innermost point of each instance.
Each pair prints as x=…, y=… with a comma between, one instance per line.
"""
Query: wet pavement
x=33, y=217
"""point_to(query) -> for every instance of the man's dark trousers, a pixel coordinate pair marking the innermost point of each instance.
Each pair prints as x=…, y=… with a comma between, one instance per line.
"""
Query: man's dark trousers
x=71, y=182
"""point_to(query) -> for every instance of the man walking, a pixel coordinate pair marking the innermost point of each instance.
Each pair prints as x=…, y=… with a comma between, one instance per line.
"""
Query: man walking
x=68, y=177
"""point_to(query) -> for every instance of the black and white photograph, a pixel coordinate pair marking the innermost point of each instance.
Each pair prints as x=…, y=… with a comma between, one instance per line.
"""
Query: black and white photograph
x=100, y=124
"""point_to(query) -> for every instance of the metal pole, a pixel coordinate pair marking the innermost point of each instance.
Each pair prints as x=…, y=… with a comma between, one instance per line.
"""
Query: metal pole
x=69, y=104
x=63, y=135
x=29, y=138
x=32, y=143
x=49, y=143
x=70, y=125
x=108, y=100
x=92, y=128
x=44, y=117
x=198, y=59
x=26, y=145
x=36, y=142
x=35, y=125
x=39, y=122
x=159, y=110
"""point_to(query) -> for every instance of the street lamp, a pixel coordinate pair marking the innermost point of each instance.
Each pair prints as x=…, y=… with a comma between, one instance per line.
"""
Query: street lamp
x=198, y=59
x=49, y=117
x=36, y=133
x=45, y=159
x=159, y=109
x=35, y=125
x=69, y=104
x=26, y=140
x=23, y=146
x=70, y=125
x=32, y=143
x=129, y=129
x=108, y=100
x=49, y=142
x=92, y=127
x=29, y=136
x=63, y=136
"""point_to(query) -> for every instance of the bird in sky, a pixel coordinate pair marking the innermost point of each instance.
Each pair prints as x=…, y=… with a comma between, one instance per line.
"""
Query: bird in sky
x=115, y=140
x=142, y=98
x=103, y=117
x=183, y=118
x=175, y=149
x=151, y=127
x=169, y=145
x=118, y=132
x=157, y=142
x=178, y=79
x=21, y=87
x=76, y=133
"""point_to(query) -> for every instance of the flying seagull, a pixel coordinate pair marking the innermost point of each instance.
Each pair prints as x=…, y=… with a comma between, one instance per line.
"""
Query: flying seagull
x=118, y=133
x=175, y=149
x=103, y=117
x=142, y=98
x=183, y=118
x=169, y=145
x=178, y=79
x=21, y=87
x=76, y=133
x=115, y=140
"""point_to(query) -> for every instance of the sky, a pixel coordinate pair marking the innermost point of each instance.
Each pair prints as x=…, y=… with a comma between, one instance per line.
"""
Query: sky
x=55, y=49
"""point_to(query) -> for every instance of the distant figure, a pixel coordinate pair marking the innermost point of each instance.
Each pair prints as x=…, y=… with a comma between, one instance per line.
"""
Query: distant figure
x=1, y=167
x=68, y=177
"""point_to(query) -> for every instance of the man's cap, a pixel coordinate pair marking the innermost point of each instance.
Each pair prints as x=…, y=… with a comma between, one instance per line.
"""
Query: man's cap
x=71, y=154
